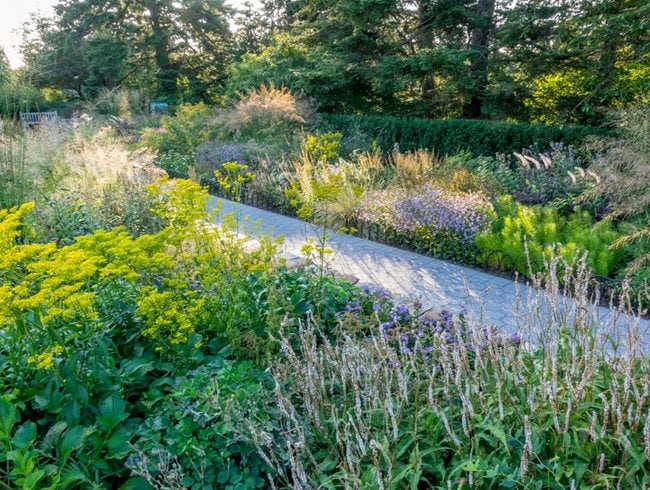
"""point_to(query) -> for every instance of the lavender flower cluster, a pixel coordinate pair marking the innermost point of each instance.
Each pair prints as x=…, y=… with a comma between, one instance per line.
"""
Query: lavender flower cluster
x=368, y=302
x=429, y=208
x=437, y=209
x=216, y=153
x=416, y=333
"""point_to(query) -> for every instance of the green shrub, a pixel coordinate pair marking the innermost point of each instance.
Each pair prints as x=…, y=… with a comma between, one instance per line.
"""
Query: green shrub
x=181, y=133
x=62, y=218
x=176, y=164
x=199, y=426
x=88, y=329
x=557, y=177
x=450, y=136
x=128, y=204
x=523, y=235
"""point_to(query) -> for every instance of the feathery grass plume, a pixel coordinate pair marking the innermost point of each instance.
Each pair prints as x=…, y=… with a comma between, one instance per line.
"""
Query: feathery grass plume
x=266, y=110
x=622, y=164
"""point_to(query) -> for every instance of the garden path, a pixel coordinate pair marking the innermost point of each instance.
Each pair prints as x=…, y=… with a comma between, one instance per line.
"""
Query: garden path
x=437, y=284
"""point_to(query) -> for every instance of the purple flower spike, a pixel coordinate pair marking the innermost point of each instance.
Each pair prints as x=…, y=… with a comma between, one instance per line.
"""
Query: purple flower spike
x=386, y=326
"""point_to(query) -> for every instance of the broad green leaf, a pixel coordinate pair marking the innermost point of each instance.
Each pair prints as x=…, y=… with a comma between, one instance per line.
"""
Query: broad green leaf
x=32, y=480
x=111, y=412
x=7, y=416
x=73, y=440
x=472, y=465
x=24, y=436
x=72, y=475
x=500, y=434
x=53, y=435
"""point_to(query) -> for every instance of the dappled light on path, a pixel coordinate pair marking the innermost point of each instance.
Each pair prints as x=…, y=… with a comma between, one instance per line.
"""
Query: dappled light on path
x=437, y=284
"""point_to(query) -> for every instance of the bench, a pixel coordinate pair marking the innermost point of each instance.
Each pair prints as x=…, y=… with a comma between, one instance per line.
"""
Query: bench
x=36, y=118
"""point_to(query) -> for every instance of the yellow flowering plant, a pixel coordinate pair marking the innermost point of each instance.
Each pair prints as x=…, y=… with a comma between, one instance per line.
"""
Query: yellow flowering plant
x=94, y=332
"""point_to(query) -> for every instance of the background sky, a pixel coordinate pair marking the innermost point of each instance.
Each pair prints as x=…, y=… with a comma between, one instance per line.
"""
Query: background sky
x=16, y=12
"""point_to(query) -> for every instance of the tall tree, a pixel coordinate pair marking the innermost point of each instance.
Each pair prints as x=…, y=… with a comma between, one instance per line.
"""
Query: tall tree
x=480, y=36
x=576, y=59
x=183, y=42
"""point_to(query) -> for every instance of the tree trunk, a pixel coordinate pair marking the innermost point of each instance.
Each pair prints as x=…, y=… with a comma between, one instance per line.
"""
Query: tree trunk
x=425, y=40
x=479, y=45
x=166, y=71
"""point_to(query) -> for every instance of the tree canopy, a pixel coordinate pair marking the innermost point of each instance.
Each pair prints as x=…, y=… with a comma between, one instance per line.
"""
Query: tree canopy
x=178, y=49
x=555, y=61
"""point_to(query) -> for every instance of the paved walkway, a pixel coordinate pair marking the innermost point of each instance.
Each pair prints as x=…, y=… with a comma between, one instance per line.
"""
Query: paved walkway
x=436, y=283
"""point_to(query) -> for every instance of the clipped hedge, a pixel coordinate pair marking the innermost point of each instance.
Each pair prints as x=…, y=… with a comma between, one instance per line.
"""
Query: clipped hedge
x=449, y=136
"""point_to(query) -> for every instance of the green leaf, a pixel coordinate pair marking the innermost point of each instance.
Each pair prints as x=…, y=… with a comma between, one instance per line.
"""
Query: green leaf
x=32, y=480
x=53, y=435
x=24, y=436
x=7, y=416
x=136, y=483
x=414, y=479
x=72, y=475
x=472, y=465
x=112, y=411
x=500, y=434
x=223, y=476
x=73, y=440
x=117, y=445
x=138, y=367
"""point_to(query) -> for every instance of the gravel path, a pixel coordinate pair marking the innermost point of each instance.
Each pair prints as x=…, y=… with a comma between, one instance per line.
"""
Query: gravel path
x=436, y=283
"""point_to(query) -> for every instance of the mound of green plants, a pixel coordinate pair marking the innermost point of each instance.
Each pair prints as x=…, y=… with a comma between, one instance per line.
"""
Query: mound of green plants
x=189, y=357
x=449, y=402
x=522, y=237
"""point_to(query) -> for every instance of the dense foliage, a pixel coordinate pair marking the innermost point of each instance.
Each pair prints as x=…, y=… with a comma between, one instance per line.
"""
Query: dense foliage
x=147, y=343
x=453, y=403
x=503, y=211
x=93, y=334
x=449, y=137
x=552, y=62
x=547, y=61
x=170, y=49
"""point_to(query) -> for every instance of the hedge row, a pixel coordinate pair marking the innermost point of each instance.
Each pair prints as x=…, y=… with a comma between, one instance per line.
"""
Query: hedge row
x=450, y=136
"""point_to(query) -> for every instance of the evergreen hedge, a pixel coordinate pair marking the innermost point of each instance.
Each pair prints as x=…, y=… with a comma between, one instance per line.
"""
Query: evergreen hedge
x=449, y=136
